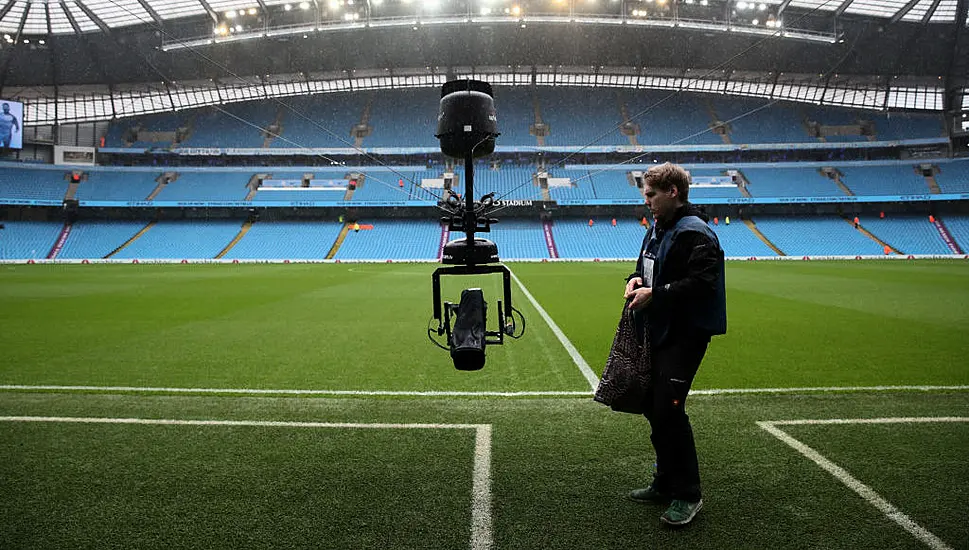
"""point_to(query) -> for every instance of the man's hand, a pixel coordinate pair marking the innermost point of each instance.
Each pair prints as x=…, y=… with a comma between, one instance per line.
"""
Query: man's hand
x=641, y=298
x=632, y=285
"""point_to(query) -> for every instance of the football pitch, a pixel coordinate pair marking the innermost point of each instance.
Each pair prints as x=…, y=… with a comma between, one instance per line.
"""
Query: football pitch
x=302, y=406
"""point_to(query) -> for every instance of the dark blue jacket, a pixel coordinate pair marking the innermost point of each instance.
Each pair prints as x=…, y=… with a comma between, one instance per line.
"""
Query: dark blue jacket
x=689, y=297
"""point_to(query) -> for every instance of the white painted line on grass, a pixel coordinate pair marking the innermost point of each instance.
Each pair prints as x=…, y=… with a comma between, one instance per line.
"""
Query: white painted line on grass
x=893, y=420
x=574, y=353
x=850, y=481
x=270, y=392
x=481, y=524
x=433, y=393
x=481, y=538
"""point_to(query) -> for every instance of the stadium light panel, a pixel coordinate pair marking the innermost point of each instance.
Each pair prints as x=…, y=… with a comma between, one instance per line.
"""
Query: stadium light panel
x=230, y=14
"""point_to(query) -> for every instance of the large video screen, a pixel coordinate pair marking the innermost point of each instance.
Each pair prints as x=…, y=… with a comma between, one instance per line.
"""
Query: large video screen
x=11, y=124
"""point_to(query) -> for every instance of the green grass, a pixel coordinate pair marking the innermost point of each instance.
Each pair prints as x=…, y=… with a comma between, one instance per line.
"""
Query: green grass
x=560, y=466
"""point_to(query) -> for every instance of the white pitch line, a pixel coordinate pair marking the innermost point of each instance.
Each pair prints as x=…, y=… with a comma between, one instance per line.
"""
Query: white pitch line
x=574, y=353
x=252, y=391
x=433, y=393
x=894, y=420
x=852, y=483
x=481, y=538
x=481, y=525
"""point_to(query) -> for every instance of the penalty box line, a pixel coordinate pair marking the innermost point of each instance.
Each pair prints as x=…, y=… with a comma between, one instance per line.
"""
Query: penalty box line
x=842, y=475
x=481, y=522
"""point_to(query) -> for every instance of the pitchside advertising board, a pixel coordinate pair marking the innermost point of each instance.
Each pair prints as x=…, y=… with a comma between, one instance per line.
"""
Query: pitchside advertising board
x=11, y=124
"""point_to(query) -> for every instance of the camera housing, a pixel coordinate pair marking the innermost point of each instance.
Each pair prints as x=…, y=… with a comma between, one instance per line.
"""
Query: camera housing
x=467, y=128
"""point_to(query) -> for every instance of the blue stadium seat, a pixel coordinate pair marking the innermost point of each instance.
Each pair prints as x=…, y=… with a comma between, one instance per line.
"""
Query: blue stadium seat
x=28, y=240
x=295, y=240
x=117, y=185
x=909, y=234
x=18, y=183
x=92, y=239
x=816, y=236
x=884, y=180
x=182, y=239
x=574, y=238
x=393, y=239
x=789, y=182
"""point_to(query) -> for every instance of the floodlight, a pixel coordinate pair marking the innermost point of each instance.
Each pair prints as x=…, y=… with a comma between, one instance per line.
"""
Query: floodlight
x=252, y=11
x=242, y=12
x=485, y=11
x=704, y=2
x=42, y=42
x=516, y=10
x=334, y=4
x=230, y=14
x=238, y=28
x=26, y=41
x=762, y=7
x=304, y=5
x=755, y=22
x=288, y=7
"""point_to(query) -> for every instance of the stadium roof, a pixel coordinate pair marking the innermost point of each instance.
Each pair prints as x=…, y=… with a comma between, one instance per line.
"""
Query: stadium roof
x=121, y=42
x=46, y=17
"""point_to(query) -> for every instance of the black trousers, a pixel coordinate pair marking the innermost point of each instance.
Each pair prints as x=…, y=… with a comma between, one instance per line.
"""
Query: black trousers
x=674, y=365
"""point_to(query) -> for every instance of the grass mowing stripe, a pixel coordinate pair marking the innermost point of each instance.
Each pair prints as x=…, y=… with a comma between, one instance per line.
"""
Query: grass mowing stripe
x=481, y=523
x=574, y=353
x=852, y=483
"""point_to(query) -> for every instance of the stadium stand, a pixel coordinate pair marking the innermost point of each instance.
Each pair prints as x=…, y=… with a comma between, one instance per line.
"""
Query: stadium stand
x=392, y=239
x=816, y=236
x=518, y=239
x=614, y=184
x=405, y=119
x=582, y=187
x=575, y=238
x=508, y=182
x=213, y=128
x=117, y=186
x=206, y=186
x=161, y=128
x=28, y=240
x=739, y=241
x=384, y=187
x=307, y=117
x=892, y=126
x=676, y=122
x=580, y=116
x=908, y=234
x=884, y=180
x=958, y=227
x=953, y=177
x=296, y=240
x=17, y=183
x=91, y=239
x=175, y=239
x=789, y=182
x=777, y=123
x=515, y=115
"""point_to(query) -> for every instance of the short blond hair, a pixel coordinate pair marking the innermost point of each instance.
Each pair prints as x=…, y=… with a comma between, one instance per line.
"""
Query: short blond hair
x=668, y=175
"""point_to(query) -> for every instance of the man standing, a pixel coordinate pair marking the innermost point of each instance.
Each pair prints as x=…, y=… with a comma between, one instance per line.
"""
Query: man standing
x=7, y=123
x=678, y=289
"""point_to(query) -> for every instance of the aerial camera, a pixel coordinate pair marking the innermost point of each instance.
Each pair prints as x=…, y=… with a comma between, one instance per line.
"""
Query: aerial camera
x=467, y=127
